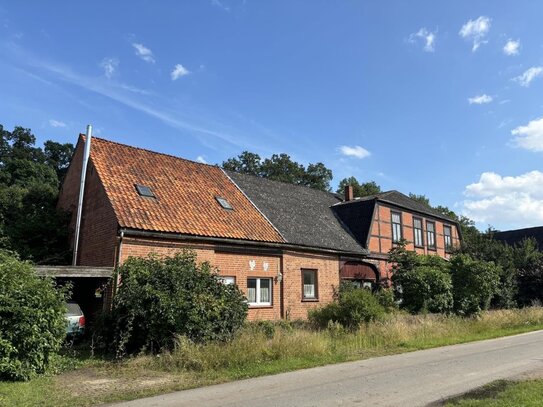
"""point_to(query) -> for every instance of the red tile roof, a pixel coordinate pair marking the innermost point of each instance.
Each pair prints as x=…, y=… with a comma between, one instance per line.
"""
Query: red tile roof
x=185, y=195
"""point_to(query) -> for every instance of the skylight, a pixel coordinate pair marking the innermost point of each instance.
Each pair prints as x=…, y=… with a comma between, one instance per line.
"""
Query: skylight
x=224, y=203
x=144, y=190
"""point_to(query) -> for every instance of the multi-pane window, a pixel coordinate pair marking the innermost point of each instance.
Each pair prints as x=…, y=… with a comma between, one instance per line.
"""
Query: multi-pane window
x=259, y=291
x=417, y=232
x=396, y=226
x=447, y=234
x=309, y=285
x=431, y=234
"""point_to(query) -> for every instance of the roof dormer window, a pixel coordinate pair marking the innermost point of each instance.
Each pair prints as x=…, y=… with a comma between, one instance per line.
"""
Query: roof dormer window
x=144, y=190
x=224, y=203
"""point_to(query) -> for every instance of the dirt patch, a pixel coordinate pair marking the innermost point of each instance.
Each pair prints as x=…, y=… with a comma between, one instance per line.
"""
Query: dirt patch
x=98, y=383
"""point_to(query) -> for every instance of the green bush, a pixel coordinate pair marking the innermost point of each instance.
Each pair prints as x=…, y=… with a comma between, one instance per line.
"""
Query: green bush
x=421, y=283
x=351, y=308
x=161, y=298
x=385, y=297
x=32, y=320
x=475, y=283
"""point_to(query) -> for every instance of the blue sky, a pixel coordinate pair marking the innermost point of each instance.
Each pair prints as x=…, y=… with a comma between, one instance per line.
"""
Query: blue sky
x=436, y=98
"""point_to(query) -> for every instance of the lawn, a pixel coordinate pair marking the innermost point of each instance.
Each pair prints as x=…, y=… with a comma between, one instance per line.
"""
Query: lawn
x=257, y=350
x=503, y=393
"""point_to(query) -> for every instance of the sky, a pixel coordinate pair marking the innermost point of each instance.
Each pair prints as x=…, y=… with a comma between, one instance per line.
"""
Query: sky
x=436, y=98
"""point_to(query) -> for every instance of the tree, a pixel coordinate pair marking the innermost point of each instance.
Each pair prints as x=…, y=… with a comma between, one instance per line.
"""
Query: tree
x=32, y=321
x=245, y=163
x=162, y=298
x=420, y=198
x=360, y=190
x=280, y=167
x=29, y=185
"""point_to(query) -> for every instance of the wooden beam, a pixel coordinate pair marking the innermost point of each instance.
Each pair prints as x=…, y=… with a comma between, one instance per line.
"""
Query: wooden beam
x=74, y=271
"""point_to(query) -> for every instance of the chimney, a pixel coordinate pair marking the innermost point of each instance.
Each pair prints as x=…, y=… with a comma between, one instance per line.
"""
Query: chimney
x=349, y=193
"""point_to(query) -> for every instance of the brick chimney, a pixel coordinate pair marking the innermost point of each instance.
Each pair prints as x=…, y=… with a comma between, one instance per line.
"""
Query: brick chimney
x=349, y=193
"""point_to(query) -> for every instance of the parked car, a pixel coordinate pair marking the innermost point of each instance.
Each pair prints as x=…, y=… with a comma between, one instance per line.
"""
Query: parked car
x=75, y=320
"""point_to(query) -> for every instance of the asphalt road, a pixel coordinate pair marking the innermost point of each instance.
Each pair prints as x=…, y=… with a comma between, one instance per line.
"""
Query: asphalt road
x=410, y=379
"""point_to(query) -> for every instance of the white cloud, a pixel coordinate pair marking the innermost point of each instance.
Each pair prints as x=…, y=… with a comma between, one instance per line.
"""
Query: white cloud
x=428, y=38
x=355, y=151
x=476, y=30
x=220, y=5
x=480, y=99
x=530, y=136
x=529, y=75
x=201, y=159
x=56, y=123
x=144, y=53
x=109, y=65
x=179, y=71
x=511, y=47
x=515, y=201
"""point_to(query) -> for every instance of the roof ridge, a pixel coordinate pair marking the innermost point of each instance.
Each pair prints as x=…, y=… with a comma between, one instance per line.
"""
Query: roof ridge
x=148, y=151
x=285, y=183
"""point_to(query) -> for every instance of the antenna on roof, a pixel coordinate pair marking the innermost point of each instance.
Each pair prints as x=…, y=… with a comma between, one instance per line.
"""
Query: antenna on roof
x=86, y=154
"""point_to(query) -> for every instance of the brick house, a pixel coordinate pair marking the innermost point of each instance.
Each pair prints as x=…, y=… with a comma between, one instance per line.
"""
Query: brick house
x=285, y=246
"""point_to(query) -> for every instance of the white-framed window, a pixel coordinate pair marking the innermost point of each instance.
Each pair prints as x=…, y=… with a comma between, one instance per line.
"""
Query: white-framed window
x=417, y=232
x=447, y=235
x=309, y=285
x=259, y=291
x=431, y=234
x=396, y=226
x=227, y=280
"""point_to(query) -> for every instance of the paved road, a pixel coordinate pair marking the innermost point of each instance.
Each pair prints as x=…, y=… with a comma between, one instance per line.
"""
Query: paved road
x=409, y=379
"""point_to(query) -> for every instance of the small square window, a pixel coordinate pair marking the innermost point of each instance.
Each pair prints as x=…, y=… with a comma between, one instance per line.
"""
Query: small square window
x=144, y=190
x=224, y=203
x=259, y=291
x=227, y=280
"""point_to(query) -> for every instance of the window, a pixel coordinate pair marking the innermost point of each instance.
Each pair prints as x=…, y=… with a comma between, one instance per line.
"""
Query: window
x=396, y=226
x=259, y=291
x=227, y=280
x=431, y=234
x=447, y=235
x=417, y=232
x=144, y=190
x=309, y=285
x=224, y=203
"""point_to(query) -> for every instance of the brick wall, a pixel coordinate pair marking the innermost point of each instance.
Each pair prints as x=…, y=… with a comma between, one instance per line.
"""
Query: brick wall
x=98, y=238
x=381, y=232
x=327, y=267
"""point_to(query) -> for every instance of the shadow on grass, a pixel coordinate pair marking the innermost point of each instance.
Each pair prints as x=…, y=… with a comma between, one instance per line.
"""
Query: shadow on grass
x=488, y=391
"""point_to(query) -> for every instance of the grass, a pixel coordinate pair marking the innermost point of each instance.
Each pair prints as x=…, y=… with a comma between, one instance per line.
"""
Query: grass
x=503, y=393
x=258, y=350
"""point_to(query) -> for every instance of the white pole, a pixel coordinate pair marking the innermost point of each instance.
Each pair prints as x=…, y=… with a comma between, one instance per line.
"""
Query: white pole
x=86, y=154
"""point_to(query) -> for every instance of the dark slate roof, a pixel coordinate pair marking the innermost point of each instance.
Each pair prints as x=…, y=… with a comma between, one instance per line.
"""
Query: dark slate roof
x=302, y=215
x=397, y=198
x=516, y=236
x=357, y=217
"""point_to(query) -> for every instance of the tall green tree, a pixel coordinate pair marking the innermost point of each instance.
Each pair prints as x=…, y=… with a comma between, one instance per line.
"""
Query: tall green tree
x=359, y=189
x=29, y=185
x=281, y=167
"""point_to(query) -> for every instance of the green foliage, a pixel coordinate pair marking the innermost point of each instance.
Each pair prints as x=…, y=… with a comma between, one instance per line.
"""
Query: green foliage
x=475, y=283
x=385, y=297
x=352, y=307
x=280, y=167
x=359, y=189
x=159, y=298
x=421, y=283
x=29, y=184
x=421, y=199
x=32, y=319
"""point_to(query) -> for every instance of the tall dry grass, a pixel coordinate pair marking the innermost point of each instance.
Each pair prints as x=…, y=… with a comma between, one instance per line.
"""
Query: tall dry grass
x=287, y=347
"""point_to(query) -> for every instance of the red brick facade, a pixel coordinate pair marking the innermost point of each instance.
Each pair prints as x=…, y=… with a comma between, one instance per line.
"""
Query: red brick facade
x=380, y=239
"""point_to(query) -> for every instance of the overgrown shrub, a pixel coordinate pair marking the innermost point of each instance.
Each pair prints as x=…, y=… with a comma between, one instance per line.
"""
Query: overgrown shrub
x=421, y=283
x=385, y=297
x=32, y=319
x=352, y=307
x=475, y=283
x=161, y=298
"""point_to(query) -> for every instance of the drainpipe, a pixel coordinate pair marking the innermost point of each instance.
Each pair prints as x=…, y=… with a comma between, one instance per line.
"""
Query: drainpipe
x=86, y=154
